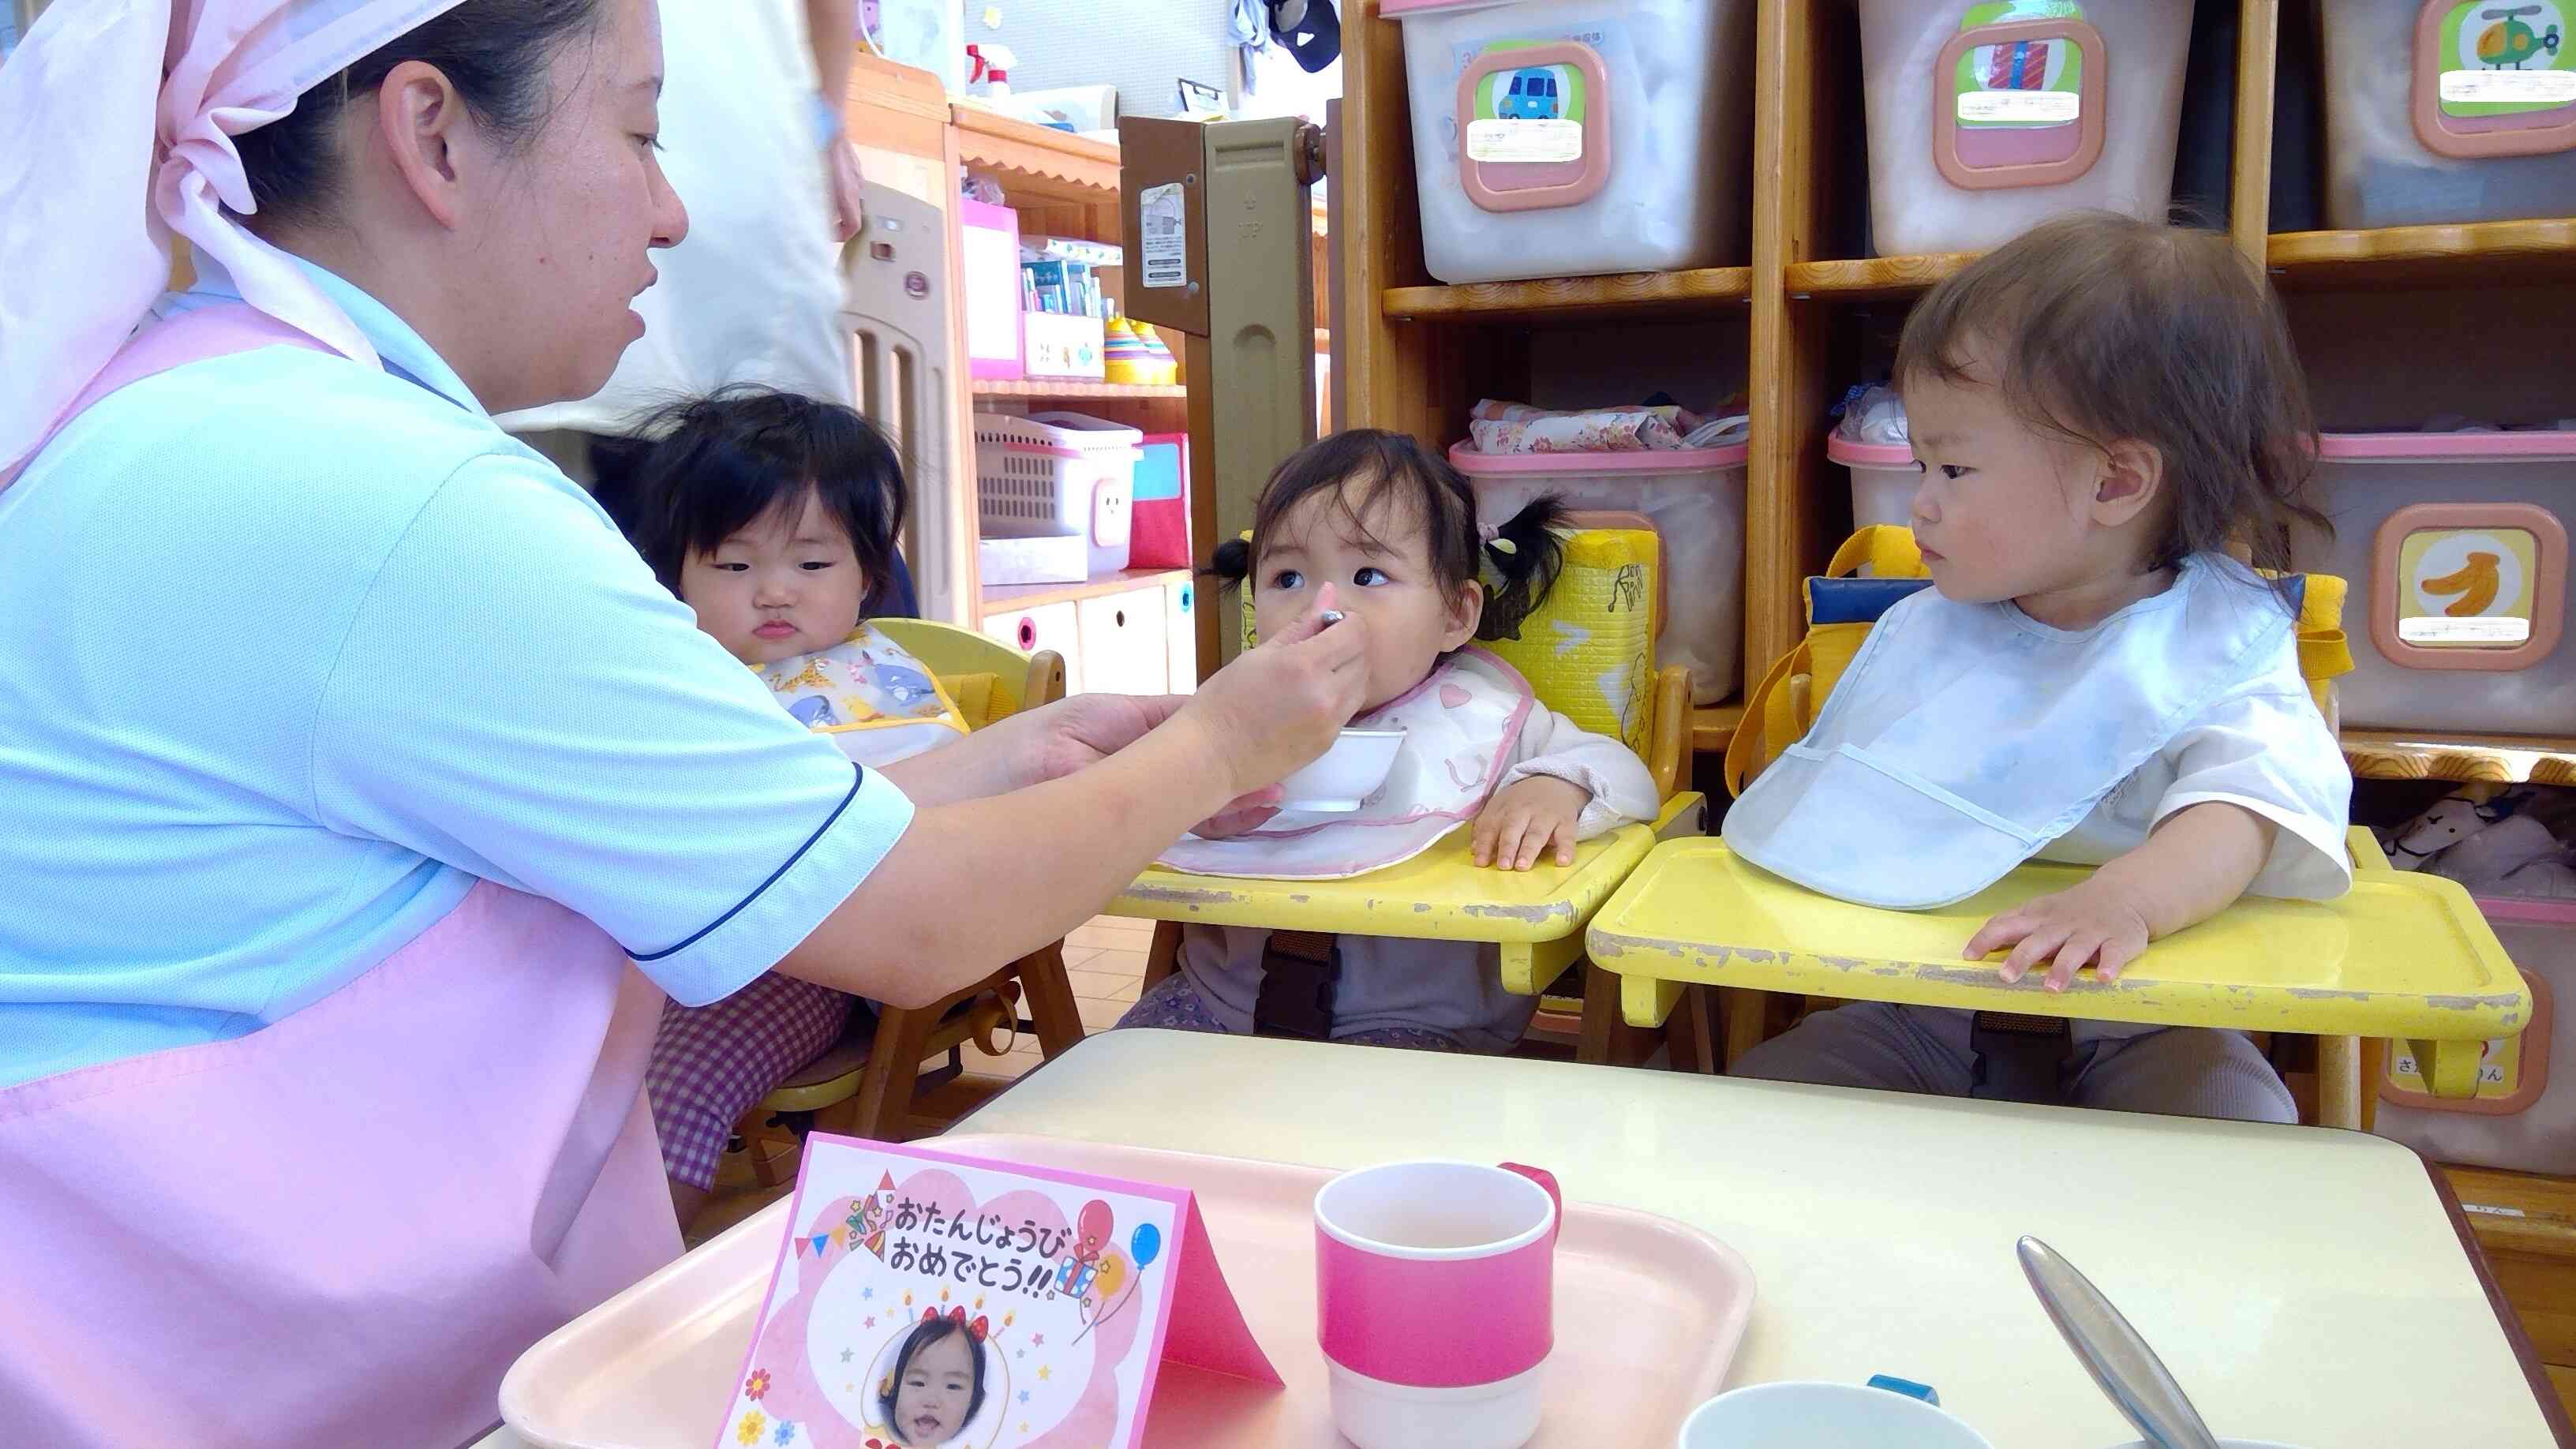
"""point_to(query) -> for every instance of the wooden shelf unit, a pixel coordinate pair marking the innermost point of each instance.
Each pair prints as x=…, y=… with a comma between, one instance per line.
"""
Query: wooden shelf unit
x=1077, y=388
x=2479, y=254
x=2437, y=755
x=1871, y=278
x=1417, y=354
x=1623, y=294
x=1060, y=184
x=1035, y=162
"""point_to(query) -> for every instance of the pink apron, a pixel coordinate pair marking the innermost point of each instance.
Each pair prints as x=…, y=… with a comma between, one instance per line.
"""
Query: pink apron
x=340, y=1229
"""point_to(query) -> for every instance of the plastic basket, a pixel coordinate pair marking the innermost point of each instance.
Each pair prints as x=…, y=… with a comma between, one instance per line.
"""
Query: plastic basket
x=1055, y=474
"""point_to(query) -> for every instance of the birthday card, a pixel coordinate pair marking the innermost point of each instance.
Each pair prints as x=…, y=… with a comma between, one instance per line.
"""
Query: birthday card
x=926, y=1299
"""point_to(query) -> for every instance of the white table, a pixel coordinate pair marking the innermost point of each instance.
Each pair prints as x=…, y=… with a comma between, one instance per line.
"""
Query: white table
x=2304, y=1285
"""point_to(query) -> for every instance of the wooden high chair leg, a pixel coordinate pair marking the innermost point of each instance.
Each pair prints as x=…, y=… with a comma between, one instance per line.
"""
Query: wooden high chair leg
x=883, y=1108
x=764, y=1163
x=2339, y=1082
x=1745, y=1014
x=1051, y=1003
x=1688, y=1037
x=2374, y=1070
x=1164, y=956
x=1607, y=1039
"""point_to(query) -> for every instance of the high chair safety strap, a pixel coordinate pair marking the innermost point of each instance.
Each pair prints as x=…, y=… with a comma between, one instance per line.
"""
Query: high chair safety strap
x=1777, y=712
x=2020, y=1058
x=1300, y=971
x=1887, y=550
x=1770, y=714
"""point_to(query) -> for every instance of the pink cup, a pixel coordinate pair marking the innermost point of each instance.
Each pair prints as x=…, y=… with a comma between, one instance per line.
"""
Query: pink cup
x=1435, y=1297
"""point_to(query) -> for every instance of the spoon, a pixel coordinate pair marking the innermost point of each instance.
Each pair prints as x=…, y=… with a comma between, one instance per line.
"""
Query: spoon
x=2130, y=1374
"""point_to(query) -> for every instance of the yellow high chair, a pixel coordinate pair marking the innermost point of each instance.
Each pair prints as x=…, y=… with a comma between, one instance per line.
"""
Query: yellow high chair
x=1589, y=654
x=2404, y=955
x=865, y=1083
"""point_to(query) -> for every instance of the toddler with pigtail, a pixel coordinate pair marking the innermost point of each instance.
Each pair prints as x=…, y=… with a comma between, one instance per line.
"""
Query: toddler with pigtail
x=1372, y=524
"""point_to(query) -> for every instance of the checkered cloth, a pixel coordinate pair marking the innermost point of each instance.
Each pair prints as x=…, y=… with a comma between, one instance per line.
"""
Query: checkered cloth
x=711, y=1063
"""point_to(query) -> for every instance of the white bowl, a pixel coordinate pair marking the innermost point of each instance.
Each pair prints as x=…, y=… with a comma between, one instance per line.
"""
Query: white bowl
x=1824, y=1416
x=1344, y=775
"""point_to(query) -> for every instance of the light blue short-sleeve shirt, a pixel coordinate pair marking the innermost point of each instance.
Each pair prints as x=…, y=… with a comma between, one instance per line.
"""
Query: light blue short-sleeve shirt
x=294, y=651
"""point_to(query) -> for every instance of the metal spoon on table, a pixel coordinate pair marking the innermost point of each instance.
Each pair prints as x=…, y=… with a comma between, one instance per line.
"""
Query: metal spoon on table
x=2130, y=1374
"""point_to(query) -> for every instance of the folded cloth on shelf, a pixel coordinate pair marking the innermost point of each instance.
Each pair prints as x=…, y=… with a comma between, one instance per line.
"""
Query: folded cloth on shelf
x=1510, y=427
x=1872, y=413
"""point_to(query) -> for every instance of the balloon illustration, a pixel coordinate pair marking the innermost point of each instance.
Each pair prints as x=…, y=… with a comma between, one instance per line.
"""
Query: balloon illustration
x=1147, y=1245
x=1097, y=1223
x=1111, y=1275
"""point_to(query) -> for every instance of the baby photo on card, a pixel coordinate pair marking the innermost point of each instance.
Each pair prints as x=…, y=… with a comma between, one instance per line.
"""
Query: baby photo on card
x=924, y=1299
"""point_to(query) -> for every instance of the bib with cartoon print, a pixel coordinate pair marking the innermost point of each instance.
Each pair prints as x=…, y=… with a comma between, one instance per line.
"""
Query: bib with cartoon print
x=1965, y=737
x=1459, y=728
x=875, y=701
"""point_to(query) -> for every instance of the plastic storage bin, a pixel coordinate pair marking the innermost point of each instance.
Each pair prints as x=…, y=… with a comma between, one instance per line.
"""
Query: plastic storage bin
x=2440, y=111
x=1985, y=118
x=2455, y=545
x=1695, y=502
x=1883, y=479
x=2523, y=1118
x=1057, y=473
x=1558, y=138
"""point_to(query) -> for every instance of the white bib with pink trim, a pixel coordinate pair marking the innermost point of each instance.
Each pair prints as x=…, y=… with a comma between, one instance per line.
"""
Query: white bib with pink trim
x=1459, y=728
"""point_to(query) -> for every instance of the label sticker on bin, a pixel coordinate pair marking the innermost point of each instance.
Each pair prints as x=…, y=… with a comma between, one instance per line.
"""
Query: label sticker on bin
x=2019, y=108
x=2495, y=77
x=2467, y=586
x=2024, y=80
x=2478, y=586
x=1533, y=118
x=1525, y=141
x=2506, y=59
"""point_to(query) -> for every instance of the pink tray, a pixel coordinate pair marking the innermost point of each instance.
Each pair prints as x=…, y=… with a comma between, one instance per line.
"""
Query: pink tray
x=1643, y=1303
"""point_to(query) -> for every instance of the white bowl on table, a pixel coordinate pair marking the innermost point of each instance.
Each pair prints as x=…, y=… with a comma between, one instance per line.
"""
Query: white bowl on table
x=1344, y=775
x=1815, y=1415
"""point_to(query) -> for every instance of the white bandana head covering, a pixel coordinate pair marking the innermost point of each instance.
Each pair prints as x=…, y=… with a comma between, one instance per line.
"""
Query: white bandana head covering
x=120, y=116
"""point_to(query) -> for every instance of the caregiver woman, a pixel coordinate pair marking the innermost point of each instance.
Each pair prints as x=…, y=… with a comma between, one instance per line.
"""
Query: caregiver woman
x=353, y=763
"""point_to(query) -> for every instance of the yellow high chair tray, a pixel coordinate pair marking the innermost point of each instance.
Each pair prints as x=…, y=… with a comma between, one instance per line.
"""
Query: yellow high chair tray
x=1536, y=915
x=2403, y=956
x=1588, y=653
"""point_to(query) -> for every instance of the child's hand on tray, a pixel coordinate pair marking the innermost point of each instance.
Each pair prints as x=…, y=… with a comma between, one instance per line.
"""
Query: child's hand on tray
x=1524, y=818
x=2098, y=923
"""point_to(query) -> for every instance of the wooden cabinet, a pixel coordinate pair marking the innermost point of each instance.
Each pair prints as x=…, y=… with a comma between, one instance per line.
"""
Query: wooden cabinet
x=1181, y=633
x=1055, y=626
x=1125, y=644
x=1808, y=311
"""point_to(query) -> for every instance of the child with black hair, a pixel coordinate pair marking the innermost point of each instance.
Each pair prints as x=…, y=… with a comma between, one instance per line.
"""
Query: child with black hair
x=776, y=518
x=1389, y=528
x=938, y=1384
